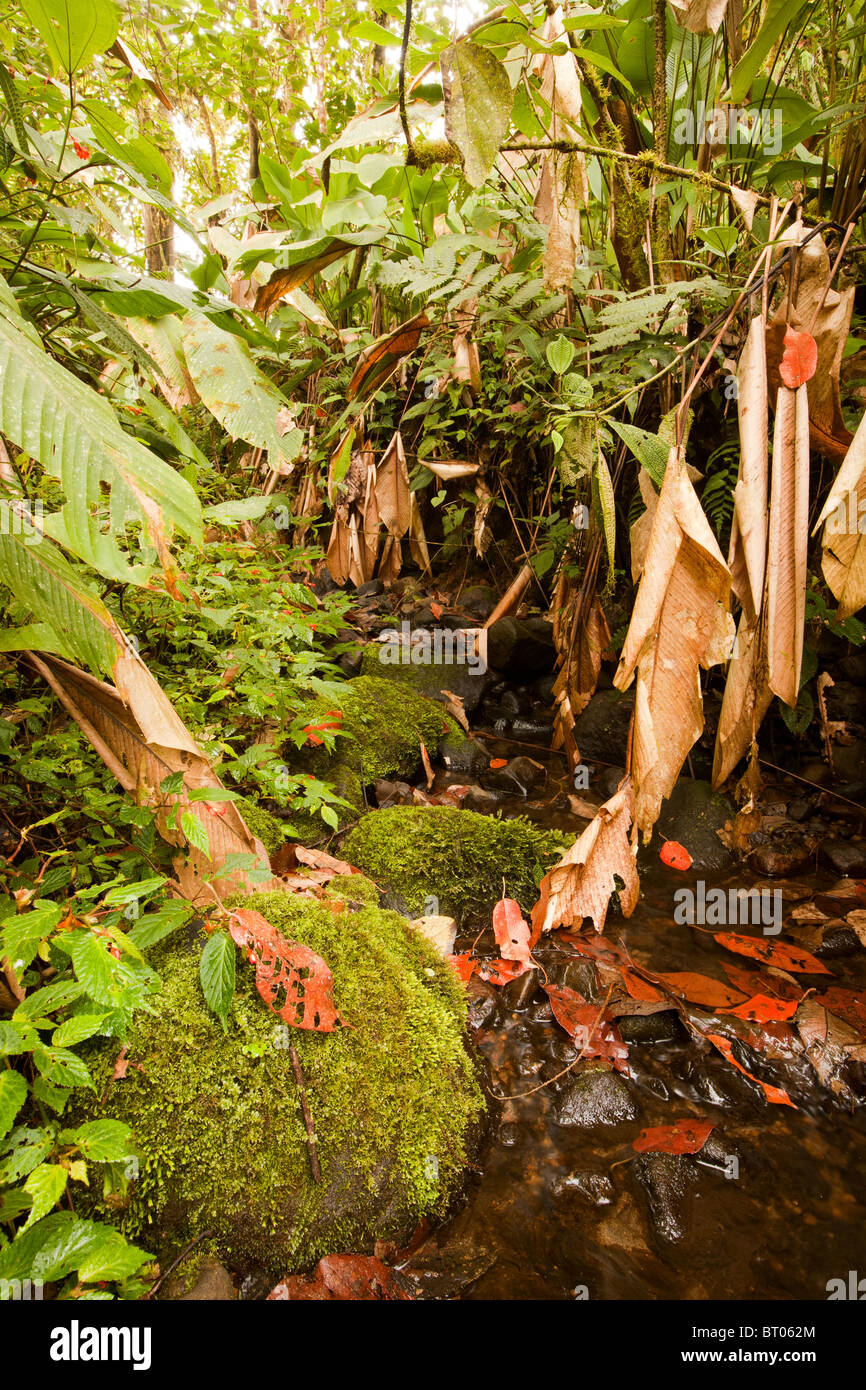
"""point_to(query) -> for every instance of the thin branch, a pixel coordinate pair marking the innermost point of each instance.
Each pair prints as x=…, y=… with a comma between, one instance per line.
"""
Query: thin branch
x=404, y=49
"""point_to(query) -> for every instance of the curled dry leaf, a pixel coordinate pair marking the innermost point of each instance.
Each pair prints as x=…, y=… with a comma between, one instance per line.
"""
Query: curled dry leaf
x=295, y=983
x=844, y=541
x=581, y=884
x=680, y=623
x=378, y=361
x=788, y=544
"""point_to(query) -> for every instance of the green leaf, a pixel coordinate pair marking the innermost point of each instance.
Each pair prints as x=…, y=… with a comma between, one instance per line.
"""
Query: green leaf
x=61, y=1243
x=195, y=832
x=217, y=972
x=46, y=1185
x=650, y=452
x=244, y=401
x=76, y=436
x=604, y=494
x=21, y=936
x=62, y=1067
x=103, y=1141
x=154, y=926
x=560, y=355
x=94, y=968
x=778, y=16
x=46, y=1000
x=78, y=625
x=478, y=101
x=73, y=30
x=13, y=1093
x=77, y=1028
x=27, y=1148
x=14, y=1041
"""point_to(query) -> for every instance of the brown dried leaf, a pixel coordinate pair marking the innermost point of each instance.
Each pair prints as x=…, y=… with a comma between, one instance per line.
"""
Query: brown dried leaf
x=843, y=515
x=788, y=543
x=581, y=884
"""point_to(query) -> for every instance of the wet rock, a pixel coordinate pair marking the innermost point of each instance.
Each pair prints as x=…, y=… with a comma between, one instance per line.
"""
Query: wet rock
x=518, y=994
x=463, y=755
x=595, y=1098
x=718, y=1083
x=692, y=815
x=849, y=759
x=323, y=583
x=438, y=930
x=568, y=972
x=602, y=730
x=518, y=777
x=483, y=1003
x=531, y=728
x=479, y=600
x=608, y=781
x=521, y=646
x=255, y=1287
x=595, y=1188
x=668, y=1181
x=213, y=1284
x=649, y=1028
x=508, y=1135
x=370, y=588
x=481, y=799
x=799, y=810
x=390, y=793
x=542, y=689
x=846, y=858
x=786, y=851
x=838, y=940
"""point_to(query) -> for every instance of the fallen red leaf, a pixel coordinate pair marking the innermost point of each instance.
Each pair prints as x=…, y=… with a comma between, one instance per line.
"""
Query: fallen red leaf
x=847, y=1004
x=675, y=855
x=501, y=972
x=683, y=1137
x=701, y=990
x=464, y=965
x=498, y=762
x=437, y=610
x=290, y=969
x=511, y=931
x=800, y=358
x=759, y=981
x=762, y=1009
x=639, y=988
x=343, y=1278
x=594, y=1031
x=777, y=953
x=774, y=1094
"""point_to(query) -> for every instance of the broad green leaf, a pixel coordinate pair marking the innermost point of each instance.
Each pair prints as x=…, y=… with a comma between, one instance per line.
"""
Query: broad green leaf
x=244, y=401
x=73, y=30
x=61, y=1243
x=603, y=487
x=76, y=436
x=14, y=1040
x=195, y=832
x=110, y=1256
x=778, y=16
x=45, y=1185
x=650, y=452
x=73, y=620
x=217, y=972
x=154, y=926
x=13, y=1093
x=103, y=1141
x=478, y=101
x=76, y=1029
x=21, y=936
x=46, y=1000
x=25, y=1150
x=62, y=1067
x=560, y=355
x=94, y=968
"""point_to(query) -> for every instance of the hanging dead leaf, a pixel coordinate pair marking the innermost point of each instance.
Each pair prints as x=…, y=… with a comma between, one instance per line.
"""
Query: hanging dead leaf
x=843, y=517
x=700, y=16
x=378, y=361
x=680, y=622
x=747, y=554
x=581, y=884
x=788, y=544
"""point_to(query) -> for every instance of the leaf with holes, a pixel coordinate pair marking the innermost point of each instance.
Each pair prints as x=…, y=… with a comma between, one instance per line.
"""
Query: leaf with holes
x=511, y=931
x=295, y=983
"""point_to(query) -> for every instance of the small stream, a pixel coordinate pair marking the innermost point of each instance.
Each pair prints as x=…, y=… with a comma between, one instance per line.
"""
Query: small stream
x=772, y=1207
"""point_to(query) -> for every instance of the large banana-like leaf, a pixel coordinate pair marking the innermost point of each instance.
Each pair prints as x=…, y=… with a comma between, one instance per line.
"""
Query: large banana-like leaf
x=109, y=478
x=244, y=401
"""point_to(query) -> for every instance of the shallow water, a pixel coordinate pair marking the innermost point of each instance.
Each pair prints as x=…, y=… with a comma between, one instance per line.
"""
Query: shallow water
x=789, y=1220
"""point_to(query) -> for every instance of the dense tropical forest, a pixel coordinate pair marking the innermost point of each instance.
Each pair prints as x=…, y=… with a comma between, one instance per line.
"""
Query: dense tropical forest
x=433, y=658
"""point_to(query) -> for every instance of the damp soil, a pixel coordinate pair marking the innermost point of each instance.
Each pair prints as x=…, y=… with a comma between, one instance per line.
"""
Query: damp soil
x=773, y=1207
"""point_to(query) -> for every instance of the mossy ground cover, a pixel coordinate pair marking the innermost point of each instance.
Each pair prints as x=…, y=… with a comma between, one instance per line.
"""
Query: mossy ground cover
x=466, y=860
x=216, y=1114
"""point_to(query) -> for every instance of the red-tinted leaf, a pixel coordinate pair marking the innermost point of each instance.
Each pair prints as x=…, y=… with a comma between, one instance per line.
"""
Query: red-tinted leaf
x=759, y=981
x=594, y=1032
x=675, y=855
x=295, y=983
x=762, y=1009
x=847, y=1004
x=464, y=965
x=501, y=972
x=511, y=931
x=777, y=953
x=774, y=1094
x=437, y=610
x=343, y=1278
x=702, y=990
x=639, y=988
x=498, y=762
x=800, y=358
x=684, y=1137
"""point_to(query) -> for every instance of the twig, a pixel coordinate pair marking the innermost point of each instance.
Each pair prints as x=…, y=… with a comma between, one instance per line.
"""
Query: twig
x=315, y=1169
x=174, y=1264
x=648, y=159
x=401, y=89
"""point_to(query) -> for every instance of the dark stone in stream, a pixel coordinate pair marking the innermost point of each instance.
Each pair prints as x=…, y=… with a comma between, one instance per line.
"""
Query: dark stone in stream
x=542, y=689
x=838, y=940
x=483, y=1003
x=608, y=781
x=482, y=800
x=522, y=647
x=463, y=755
x=602, y=730
x=518, y=994
x=568, y=972
x=692, y=815
x=596, y=1188
x=595, y=1098
x=518, y=777
x=849, y=759
x=669, y=1181
x=478, y=599
x=390, y=793
x=717, y=1083
x=370, y=588
x=650, y=1028
x=785, y=852
x=847, y=859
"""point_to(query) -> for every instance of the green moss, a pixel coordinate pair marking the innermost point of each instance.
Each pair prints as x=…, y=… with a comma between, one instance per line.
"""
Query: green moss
x=354, y=888
x=216, y=1114
x=262, y=824
x=468, y=861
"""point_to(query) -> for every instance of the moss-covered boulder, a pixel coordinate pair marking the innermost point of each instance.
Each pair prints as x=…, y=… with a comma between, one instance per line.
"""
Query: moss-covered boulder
x=216, y=1115
x=429, y=678
x=465, y=860
x=383, y=726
